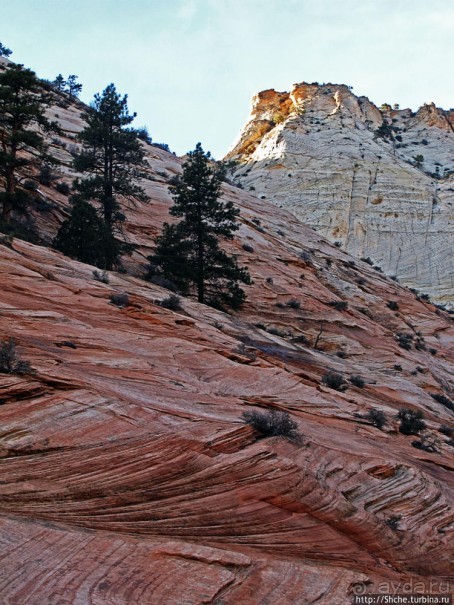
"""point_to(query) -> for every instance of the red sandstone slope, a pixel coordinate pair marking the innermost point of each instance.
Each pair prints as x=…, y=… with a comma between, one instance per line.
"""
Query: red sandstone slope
x=127, y=476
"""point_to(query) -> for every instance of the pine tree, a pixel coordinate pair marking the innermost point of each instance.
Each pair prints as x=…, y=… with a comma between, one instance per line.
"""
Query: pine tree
x=22, y=106
x=188, y=253
x=86, y=237
x=5, y=52
x=111, y=154
x=59, y=82
x=72, y=86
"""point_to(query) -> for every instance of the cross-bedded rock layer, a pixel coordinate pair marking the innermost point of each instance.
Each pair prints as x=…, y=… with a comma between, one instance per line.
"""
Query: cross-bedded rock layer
x=126, y=473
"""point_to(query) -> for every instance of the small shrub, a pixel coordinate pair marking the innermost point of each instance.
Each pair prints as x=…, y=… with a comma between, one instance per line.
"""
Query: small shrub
x=446, y=430
x=368, y=260
x=450, y=442
x=119, y=300
x=357, y=381
x=45, y=176
x=393, y=522
x=269, y=280
x=159, y=280
x=172, y=302
x=361, y=281
x=404, y=340
x=340, y=305
x=335, y=381
x=338, y=244
x=443, y=400
x=411, y=422
x=301, y=339
x=10, y=360
x=433, y=351
x=63, y=188
x=256, y=221
x=427, y=443
x=376, y=417
x=397, y=367
x=391, y=304
x=276, y=332
x=293, y=303
x=248, y=248
x=30, y=185
x=162, y=146
x=273, y=423
x=341, y=354
x=101, y=276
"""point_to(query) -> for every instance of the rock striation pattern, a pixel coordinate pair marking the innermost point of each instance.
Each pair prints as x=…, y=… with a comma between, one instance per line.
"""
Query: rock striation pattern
x=378, y=181
x=127, y=475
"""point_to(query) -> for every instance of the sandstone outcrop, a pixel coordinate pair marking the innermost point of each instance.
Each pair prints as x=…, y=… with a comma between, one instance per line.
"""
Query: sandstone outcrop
x=127, y=475
x=379, y=181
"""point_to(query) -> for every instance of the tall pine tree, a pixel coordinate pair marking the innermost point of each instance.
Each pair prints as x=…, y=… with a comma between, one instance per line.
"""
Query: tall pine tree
x=22, y=119
x=111, y=155
x=110, y=158
x=188, y=253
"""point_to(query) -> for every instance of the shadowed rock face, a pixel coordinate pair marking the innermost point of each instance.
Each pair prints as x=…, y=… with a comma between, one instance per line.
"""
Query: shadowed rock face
x=126, y=473
x=315, y=151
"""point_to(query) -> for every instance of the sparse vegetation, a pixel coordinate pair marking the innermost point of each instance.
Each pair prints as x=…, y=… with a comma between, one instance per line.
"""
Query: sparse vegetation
x=293, y=303
x=63, y=188
x=10, y=360
x=411, y=422
x=247, y=248
x=273, y=423
x=339, y=305
x=172, y=302
x=357, y=381
x=393, y=305
x=446, y=430
x=405, y=340
x=376, y=417
x=440, y=398
x=335, y=381
x=428, y=443
x=119, y=300
x=393, y=522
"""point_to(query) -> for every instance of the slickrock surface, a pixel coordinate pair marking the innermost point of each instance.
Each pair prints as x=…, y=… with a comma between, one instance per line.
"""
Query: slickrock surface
x=127, y=476
x=315, y=152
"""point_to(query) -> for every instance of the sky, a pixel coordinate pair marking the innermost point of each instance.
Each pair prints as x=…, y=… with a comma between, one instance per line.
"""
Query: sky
x=191, y=67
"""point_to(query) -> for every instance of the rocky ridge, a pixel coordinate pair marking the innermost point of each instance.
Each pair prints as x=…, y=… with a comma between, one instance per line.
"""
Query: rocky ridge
x=127, y=473
x=378, y=181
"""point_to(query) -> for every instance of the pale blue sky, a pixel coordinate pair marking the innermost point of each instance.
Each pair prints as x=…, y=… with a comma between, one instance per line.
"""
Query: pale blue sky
x=190, y=67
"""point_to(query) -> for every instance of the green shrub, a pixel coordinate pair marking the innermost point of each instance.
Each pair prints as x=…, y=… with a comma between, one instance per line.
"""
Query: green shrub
x=172, y=302
x=357, y=381
x=411, y=422
x=335, y=381
x=119, y=300
x=440, y=398
x=391, y=304
x=293, y=303
x=339, y=305
x=376, y=418
x=63, y=188
x=273, y=423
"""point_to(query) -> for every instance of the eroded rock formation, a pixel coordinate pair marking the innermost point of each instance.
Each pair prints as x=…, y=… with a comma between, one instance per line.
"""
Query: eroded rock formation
x=379, y=181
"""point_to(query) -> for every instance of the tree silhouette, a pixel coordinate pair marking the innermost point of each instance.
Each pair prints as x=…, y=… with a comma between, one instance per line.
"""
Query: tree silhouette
x=22, y=119
x=110, y=156
x=188, y=253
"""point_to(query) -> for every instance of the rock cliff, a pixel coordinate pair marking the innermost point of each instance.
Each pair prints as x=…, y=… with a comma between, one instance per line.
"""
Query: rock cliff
x=379, y=181
x=127, y=475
